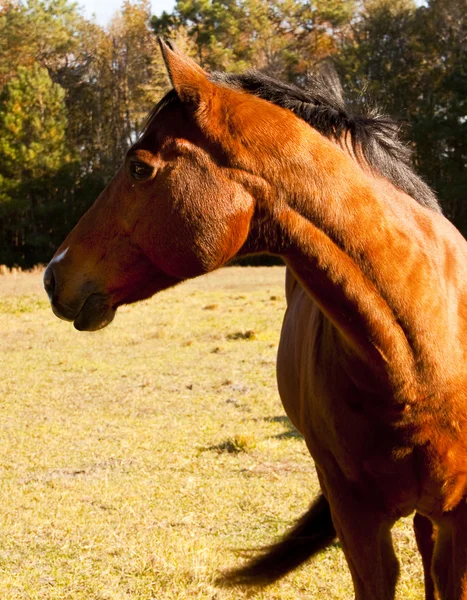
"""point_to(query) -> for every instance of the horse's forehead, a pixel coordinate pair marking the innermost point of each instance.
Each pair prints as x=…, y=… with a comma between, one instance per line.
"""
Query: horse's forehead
x=237, y=128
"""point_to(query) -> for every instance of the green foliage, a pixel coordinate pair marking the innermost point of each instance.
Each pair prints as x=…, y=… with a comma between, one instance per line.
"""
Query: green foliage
x=32, y=151
x=43, y=31
x=280, y=37
x=412, y=61
x=32, y=124
x=72, y=99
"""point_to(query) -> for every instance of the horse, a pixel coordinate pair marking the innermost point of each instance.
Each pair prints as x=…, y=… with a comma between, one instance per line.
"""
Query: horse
x=371, y=364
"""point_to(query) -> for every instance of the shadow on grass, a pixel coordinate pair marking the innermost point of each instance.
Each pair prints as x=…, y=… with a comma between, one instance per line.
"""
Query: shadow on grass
x=290, y=433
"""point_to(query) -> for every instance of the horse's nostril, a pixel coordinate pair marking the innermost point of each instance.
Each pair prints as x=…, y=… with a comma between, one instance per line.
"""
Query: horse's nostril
x=49, y=281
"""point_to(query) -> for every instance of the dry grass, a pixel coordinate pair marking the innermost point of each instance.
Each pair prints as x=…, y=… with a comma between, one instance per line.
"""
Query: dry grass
x=136, y=460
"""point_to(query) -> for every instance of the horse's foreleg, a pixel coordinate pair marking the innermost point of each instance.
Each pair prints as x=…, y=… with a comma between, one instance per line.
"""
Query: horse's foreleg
x=366, y=539
x=424, y=533
x=449, y=566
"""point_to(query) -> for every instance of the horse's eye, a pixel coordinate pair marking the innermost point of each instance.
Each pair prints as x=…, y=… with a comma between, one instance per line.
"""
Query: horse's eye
x=140, y=170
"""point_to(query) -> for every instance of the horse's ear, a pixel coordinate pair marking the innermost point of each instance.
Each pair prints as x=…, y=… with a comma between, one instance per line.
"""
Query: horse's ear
x=188, y=78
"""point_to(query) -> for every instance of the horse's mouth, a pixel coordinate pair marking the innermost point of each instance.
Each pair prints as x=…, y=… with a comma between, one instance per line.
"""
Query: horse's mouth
x=96, y=313
x=90, y=310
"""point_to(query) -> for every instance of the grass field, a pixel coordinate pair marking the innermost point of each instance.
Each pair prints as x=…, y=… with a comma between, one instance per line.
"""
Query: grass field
x=136, y=461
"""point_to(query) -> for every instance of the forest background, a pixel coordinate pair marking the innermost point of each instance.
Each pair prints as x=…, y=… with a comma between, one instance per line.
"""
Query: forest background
x=73, y=94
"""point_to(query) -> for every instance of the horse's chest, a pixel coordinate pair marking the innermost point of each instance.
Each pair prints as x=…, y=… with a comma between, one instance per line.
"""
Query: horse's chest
x=333, y=401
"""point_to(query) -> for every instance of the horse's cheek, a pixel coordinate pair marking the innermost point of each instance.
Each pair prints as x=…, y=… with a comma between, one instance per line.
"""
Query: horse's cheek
x=203, y=226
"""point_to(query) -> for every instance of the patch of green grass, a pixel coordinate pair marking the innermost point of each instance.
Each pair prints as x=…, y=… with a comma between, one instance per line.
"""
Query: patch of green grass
x=22, y=304
x=108, y=488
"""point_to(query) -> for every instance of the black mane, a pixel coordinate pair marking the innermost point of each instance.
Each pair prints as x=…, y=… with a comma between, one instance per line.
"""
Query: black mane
x=321, y=104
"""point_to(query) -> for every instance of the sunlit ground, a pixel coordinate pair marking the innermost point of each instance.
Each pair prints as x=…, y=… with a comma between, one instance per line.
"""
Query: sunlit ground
x=138, y=460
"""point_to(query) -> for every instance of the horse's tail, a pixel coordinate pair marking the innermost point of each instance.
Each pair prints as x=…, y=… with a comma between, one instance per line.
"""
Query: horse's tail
x=313, y=532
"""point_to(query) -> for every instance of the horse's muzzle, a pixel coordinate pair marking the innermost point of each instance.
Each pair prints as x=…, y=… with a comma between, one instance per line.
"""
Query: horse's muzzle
x=89, y=309
x=49, y=282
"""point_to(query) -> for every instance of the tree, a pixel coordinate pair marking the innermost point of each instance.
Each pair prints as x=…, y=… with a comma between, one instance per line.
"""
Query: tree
x=42, y=31
x=32, y=124
x=136, y=73
x=32, y=150
x=412, y=61
x=280, y=37
x=440, y=122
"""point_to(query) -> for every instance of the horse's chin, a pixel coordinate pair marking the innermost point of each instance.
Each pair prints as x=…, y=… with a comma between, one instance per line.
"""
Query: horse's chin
x=96, y=313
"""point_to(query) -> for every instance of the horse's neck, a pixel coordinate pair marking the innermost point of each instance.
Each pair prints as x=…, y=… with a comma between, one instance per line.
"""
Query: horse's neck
x=365, y=261
x=345, y=294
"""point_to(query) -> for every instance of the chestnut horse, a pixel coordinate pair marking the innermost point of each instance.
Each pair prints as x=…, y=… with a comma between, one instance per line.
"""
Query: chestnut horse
x=371, y=365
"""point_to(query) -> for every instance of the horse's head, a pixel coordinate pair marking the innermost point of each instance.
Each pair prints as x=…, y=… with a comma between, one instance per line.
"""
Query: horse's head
x=181, y=204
